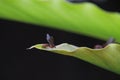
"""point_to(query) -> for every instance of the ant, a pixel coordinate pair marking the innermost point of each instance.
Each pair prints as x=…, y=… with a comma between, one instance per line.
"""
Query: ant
x=50, y=41
x=109, y=41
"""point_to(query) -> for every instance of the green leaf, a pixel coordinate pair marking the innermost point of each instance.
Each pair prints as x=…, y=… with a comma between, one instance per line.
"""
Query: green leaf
x=84, y=18
x=107, y=58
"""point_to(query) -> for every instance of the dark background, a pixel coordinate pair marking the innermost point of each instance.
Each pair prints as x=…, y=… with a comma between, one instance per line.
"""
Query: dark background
x=21, y=64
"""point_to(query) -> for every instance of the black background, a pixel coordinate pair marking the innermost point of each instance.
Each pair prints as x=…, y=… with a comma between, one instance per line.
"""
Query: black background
x=21, y=64
x=109, y=5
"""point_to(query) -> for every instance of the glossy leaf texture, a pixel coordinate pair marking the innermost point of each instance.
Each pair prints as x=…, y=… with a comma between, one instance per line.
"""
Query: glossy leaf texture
x=107, y=57
x=83, y=18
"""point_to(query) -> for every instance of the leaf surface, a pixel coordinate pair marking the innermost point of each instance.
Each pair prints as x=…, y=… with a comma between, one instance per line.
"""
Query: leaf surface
x=84, y=18
x=107, y=57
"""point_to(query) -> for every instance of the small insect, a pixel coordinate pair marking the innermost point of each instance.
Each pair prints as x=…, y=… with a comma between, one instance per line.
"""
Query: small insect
x=50, y=41
x=109, y=41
